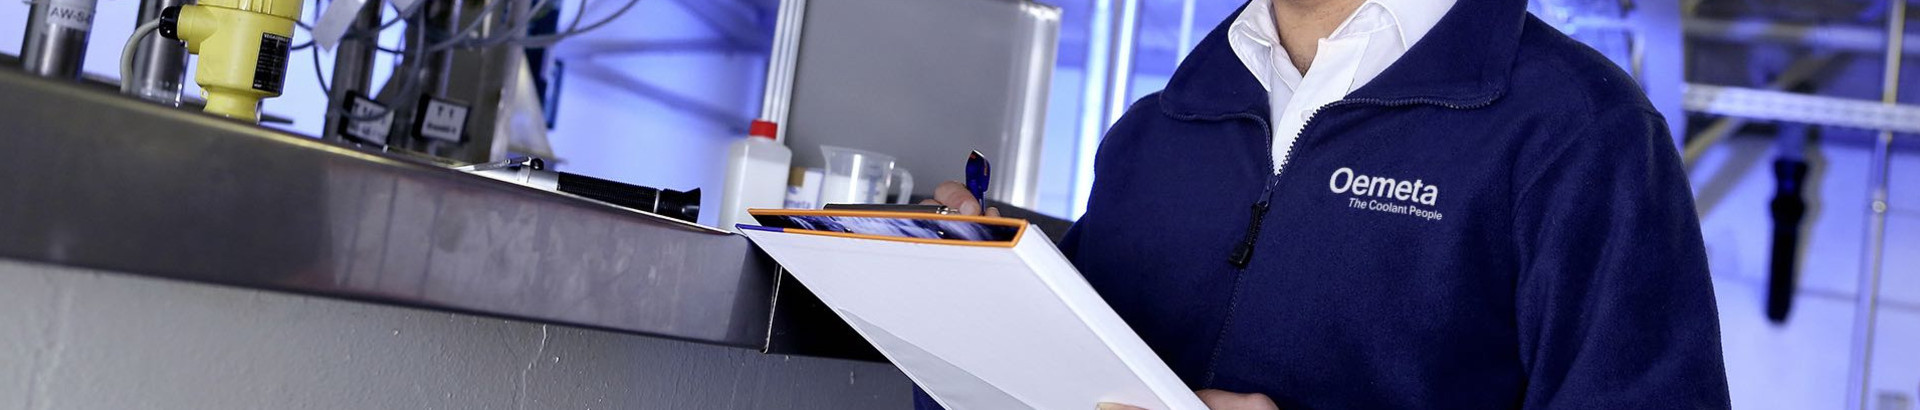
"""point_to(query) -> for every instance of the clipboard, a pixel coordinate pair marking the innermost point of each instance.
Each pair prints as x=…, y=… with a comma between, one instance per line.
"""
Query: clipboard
x=994, y=323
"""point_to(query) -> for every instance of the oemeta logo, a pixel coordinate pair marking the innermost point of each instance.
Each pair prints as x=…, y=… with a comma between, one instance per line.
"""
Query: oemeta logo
x=1345, y=180
x=1378, y=193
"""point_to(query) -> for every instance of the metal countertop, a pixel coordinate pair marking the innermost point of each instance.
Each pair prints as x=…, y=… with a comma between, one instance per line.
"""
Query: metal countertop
x=96, y=180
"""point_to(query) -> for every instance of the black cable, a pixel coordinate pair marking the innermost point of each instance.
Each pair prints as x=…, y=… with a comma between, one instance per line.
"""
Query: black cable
x=548, y=40
x=373, y=34
x=321, y=78
x=408, y=83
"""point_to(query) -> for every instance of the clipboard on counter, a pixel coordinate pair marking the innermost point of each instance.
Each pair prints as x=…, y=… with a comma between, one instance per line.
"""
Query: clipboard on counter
x=981, y=312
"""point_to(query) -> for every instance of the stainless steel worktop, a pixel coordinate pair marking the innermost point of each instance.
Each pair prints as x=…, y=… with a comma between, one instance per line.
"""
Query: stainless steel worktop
x=96, y=180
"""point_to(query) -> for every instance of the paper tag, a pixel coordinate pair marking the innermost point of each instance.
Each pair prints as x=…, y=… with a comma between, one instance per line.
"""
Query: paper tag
x=400, y=7
x=372, y=131
x=443, y=120
x=73, y=14
x=803, y=188
x=334, y=22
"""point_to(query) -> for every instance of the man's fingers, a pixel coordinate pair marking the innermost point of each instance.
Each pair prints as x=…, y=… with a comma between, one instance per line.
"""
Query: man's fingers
x=1115, y=406
x=955, y=196
x=1225, y=400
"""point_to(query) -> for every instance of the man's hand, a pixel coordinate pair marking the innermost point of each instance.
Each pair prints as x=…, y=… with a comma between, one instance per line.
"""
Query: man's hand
x=1217, y=400
x=955, y=195
x=1226, y=400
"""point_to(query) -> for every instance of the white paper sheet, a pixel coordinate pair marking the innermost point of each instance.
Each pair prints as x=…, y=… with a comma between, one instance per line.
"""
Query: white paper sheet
x=983, y=327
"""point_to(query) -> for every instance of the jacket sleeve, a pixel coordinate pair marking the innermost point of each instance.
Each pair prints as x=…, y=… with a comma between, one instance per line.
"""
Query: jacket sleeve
x=1614, y=304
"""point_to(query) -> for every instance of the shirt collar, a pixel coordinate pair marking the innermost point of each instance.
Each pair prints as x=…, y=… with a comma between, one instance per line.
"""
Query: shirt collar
x=1462, y=59
x=1255, y=22
x=1254, y=32
x=1416, y=17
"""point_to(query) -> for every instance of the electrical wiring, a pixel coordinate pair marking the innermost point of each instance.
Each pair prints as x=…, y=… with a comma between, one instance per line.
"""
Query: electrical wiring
x=309, y=44
x=486, y=11
x=515, y=34
x=417, y=49
x=317, y=76
x=127, y=52
x=546, y=40
x=303, y=45
x=362, y=35
x=404, y=14
x=407, y=83
x=518, y=31
x=582, y=16
x=409, y=73
x=320, y=77
x=492, y=8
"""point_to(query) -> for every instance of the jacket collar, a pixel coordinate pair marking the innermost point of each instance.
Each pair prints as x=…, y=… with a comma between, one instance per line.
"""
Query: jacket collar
x=1463, y=62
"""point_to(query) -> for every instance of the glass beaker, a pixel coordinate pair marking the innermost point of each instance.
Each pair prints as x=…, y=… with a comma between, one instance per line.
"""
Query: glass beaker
x=861, y=177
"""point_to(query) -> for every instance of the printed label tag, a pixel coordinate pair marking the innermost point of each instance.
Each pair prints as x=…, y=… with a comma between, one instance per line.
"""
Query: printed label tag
x=73, y=14
x=369, y=130
x=270, y=69
x=443, y=120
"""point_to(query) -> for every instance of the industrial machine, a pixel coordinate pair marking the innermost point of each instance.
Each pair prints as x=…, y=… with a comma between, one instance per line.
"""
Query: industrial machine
x=56, y=37
x=463, y=63
x=462, y=76
x=257, y=207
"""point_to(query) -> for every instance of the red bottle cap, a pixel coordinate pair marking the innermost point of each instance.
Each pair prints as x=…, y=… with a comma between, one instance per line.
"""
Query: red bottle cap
x=763, y=129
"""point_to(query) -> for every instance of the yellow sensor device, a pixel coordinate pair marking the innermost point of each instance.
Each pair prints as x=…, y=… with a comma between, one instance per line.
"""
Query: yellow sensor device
x=242, y=46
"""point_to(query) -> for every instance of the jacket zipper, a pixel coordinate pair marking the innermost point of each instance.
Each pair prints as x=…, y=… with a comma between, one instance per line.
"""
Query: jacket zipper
x=1243, y=253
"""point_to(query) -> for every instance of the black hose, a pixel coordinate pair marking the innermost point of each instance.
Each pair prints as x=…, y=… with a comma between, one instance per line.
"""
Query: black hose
x=1789, y=210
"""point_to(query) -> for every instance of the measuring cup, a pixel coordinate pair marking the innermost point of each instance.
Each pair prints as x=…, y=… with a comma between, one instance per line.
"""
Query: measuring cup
x=861, y=177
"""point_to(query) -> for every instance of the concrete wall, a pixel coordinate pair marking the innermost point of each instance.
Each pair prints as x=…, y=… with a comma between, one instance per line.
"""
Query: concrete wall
x=78, y=339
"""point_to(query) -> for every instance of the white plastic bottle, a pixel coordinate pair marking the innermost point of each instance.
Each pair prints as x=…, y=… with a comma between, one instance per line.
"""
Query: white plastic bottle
x=756, y=175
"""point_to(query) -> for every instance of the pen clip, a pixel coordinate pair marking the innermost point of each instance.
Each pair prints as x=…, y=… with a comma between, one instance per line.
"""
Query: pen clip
x=978, y=175
x=528, y=162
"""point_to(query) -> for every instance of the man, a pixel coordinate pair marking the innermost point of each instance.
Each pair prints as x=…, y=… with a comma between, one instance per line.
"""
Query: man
x=1402, y=204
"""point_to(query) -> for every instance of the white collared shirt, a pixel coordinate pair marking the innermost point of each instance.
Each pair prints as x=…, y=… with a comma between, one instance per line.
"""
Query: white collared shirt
x=1371, y=39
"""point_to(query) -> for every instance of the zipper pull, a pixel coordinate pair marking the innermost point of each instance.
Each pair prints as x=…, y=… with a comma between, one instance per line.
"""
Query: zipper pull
x=1243, y=254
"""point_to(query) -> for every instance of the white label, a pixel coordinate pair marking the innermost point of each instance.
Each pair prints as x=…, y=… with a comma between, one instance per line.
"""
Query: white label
x=74, y=14
x=807, y=194
x=443, y=120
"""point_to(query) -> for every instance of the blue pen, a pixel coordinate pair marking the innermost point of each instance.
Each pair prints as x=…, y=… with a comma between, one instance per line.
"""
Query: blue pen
x=978, y=173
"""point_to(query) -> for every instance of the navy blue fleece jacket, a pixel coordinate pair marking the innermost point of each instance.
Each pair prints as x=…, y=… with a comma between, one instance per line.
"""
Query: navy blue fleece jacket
x=1498, y=220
